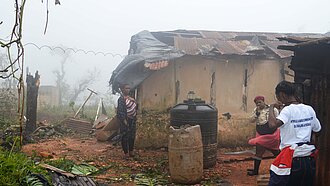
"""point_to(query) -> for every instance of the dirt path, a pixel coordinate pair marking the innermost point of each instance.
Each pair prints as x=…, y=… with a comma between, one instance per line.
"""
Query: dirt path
x=229, y=168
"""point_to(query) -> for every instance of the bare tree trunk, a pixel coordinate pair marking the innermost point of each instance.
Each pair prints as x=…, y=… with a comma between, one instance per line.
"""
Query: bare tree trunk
x=31, y=102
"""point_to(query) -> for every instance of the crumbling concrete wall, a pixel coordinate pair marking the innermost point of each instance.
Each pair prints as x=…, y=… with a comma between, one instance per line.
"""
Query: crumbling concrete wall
x=230, y=84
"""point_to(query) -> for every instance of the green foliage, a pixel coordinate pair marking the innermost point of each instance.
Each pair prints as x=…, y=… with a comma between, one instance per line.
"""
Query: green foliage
x=83, y=169
x=16, y=168
x=13, y=142
x=33, y=181
x=144, y=179
x=10, y=139
x=4, y=123
x=62, y=163
x=71, y=105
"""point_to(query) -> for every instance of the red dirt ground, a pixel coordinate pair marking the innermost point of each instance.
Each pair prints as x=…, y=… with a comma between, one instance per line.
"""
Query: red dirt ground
x=231, y=168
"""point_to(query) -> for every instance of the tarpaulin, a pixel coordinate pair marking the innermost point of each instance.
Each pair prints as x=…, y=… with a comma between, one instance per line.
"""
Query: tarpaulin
x=144, y=49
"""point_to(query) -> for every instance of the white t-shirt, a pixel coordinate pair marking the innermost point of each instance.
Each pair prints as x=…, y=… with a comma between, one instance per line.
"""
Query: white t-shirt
x=299, y=120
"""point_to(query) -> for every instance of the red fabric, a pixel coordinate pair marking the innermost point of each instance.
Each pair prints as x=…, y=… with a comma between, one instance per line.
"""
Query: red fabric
x=283, y=162
x=259, y=98
x=315, y=153
x=270, y=141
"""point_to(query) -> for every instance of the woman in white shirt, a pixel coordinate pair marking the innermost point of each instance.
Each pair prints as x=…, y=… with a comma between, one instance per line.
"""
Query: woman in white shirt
x=295, y=165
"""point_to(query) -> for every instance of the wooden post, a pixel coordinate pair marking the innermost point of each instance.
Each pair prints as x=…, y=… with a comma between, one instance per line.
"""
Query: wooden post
x=32, y=84
x=82, y=106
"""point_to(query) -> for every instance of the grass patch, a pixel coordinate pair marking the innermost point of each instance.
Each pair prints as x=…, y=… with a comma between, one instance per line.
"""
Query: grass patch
x=18, y=169
x=235, y=132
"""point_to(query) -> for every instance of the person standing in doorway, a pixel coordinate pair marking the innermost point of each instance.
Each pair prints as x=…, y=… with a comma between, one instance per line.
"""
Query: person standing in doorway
x=126, y=113
x=266, y=138
x=295, y=165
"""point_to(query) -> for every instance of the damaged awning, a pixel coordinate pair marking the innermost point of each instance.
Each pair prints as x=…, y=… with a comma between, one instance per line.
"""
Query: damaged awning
x=146, y=55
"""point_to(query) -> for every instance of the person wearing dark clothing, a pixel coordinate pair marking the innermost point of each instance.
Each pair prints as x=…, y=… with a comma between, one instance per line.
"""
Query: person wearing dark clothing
x=126, y=113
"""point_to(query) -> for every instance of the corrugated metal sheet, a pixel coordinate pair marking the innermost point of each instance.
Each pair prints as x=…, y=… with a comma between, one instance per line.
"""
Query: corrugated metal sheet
x=228, y=35
x=240, y=46
x=229, y=48
x=199, y=46
x=62, y=178
x=227, y=43
x=272, y=45
x=212, y=35
x=79, y=126
x=59, y=179
x=316, y=42
x=193, y=46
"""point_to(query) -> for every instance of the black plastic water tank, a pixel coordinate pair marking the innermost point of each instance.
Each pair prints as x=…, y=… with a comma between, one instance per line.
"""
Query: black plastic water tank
x=197, y=112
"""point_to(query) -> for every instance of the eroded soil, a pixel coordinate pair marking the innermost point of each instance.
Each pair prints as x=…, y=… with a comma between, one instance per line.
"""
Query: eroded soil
x=229, y=170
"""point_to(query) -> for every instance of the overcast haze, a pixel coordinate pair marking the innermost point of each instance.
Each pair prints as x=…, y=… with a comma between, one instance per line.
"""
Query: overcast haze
x=106, y=26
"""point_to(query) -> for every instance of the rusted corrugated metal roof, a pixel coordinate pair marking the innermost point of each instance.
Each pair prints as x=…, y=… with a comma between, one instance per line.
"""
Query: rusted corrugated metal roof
x=272, y=45
x=212, y=35
x=228, y=47
x=301, y=42
x=200, y=46
x=318, y=41
x=62, y=178
x=241, y=46
x=79, y=126
x=193, y=46
x=227, y=43
x=228, y=35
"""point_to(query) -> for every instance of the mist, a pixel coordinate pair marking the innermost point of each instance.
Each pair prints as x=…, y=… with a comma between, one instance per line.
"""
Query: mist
x=91, y=29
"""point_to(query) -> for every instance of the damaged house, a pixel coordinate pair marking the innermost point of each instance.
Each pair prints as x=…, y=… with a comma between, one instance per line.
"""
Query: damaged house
x=226, y=69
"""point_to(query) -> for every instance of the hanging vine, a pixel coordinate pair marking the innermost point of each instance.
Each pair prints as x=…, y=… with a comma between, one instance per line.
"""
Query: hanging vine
x=15, y=53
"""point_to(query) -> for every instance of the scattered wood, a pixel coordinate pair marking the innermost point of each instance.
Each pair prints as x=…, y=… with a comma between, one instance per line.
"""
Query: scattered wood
x=244, y=159
x=49, y=167
x=79, y=126
x=107, y=129
x=61, y=177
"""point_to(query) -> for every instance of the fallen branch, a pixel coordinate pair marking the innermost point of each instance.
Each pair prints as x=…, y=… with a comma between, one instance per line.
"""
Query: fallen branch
x=57, y=170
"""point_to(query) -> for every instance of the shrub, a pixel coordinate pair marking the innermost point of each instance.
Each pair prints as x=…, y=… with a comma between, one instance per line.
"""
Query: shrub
x=16, y=169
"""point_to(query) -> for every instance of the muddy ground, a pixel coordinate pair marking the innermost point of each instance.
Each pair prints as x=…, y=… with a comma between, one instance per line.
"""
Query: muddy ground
x=229, y=170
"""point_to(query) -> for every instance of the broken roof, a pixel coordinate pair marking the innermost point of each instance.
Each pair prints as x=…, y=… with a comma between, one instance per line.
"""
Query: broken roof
x=150, y=51
x=144, y=49
x=310, y=55
x=302, y=42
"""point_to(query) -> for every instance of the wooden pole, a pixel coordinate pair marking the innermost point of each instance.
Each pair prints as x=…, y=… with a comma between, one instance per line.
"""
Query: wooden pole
x=90, y=94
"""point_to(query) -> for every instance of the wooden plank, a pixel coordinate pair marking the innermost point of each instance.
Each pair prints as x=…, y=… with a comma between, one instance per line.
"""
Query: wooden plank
x=49, y=167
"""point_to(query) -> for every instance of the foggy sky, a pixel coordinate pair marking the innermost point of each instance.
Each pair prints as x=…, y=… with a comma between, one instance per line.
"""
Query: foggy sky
x=106, y=26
